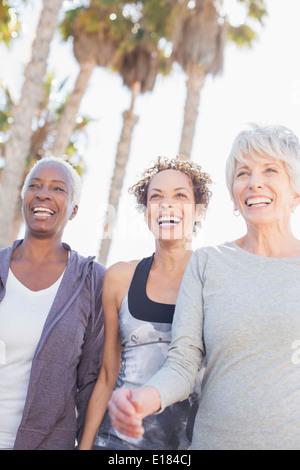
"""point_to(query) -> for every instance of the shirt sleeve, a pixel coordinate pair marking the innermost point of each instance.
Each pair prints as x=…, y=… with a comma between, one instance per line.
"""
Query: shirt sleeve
x=90, y=361
x=177, y=378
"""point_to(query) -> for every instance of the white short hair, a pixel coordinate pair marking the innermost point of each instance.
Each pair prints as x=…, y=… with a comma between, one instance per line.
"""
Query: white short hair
x=276, y=141
x=74, y=176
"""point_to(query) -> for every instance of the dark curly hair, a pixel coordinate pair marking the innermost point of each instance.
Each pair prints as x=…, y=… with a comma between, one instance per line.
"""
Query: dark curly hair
x=200, y=181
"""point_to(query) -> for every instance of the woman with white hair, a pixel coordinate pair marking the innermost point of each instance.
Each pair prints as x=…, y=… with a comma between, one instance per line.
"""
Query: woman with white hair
x=238, y=313
x=51, y=325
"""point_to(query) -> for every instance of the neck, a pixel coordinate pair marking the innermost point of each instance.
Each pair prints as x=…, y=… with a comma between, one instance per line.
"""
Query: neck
x=169, y=255
x=39, y=249
x=267, y=241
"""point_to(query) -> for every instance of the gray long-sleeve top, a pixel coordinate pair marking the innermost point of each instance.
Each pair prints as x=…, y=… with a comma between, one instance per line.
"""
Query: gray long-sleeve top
x=239, y=314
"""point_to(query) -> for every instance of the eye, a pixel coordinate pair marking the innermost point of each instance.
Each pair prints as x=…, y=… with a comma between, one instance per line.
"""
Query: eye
x=33, y=185
x=181, y=195
x=59, y=189
x=271, y=170
x=242, y=173
x=154, y=196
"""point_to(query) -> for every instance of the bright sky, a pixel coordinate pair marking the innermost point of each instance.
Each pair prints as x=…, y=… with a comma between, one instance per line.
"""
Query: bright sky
x=257, y=85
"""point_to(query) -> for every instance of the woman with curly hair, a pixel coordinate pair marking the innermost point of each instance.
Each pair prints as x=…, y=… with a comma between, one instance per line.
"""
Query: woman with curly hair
x=139, y=300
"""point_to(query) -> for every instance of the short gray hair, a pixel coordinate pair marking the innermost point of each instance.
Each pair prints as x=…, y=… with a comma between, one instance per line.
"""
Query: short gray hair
x=276, y=141
x=74, y=176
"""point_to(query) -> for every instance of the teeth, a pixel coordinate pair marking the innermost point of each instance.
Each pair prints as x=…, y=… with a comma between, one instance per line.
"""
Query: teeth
x=258, y=201
x=42, y=209
x=169, y=220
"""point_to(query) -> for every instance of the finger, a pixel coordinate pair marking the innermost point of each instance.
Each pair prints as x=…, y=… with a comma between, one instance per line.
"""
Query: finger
x=136, y=433
x=122, y=402
x=138, y=407
x=119, y=415
x=129, y=425
x=129, y=429
x=123, y=410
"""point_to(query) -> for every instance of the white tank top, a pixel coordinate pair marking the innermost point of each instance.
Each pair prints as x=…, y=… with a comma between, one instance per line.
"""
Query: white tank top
x=23, y=313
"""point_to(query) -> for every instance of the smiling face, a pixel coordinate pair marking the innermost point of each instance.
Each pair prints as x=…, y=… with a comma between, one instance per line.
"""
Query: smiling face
x=171, y=211
x=47, y=204
x=262, y=191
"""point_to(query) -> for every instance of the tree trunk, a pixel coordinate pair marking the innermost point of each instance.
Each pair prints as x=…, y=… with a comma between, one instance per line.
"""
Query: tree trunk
x=68, y=117
x=177, y=32
x=18, y=146
x=195, y=82
x=129, y=121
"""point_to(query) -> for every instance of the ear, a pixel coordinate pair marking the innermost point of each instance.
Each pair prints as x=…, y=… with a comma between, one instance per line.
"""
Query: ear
x=145, y=212
x=74, y=212
x=235, y=206
x=200, y=210
x=296, y=200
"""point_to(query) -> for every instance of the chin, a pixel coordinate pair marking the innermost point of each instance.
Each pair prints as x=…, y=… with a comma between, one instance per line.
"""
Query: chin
x=260, y=220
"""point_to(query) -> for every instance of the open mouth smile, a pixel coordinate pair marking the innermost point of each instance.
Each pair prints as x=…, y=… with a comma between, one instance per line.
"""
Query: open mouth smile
x=167, y=221
x=43, y=212
x=258, y=201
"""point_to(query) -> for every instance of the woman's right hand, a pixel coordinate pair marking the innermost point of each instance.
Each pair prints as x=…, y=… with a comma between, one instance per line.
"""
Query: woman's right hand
x=128, y=407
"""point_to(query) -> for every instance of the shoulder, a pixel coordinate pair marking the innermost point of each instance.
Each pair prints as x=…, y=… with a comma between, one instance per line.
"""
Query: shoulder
x=79, y=264
x=212, y=254
x=121, y=272
x=214, y=250
x=99, y=269
x=117, y=281
x=5, y=253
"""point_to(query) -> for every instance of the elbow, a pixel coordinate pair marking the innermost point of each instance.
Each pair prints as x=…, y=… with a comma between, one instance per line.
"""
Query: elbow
x=109, y=376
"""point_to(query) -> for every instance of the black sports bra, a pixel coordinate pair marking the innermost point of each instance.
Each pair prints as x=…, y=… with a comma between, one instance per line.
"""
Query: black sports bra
x=140, y=306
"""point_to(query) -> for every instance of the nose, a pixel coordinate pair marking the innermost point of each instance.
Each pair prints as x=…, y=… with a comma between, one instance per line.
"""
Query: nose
x=255, y=181
x=167, y=203
x=43, y=193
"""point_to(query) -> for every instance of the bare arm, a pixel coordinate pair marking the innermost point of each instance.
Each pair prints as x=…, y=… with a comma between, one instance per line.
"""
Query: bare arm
x=110, y=365
x=177, y=378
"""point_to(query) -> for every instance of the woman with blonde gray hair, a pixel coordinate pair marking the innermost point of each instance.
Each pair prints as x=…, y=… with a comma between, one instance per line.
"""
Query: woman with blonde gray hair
x=238, y=312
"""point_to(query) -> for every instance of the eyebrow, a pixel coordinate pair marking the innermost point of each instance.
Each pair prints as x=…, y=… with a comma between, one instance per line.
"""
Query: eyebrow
x=237, y=168
x=175, y=189
x=265, y=164
x=52, y=181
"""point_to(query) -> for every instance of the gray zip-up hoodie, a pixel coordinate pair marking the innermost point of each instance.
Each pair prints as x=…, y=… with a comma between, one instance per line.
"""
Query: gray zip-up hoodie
x=67, y=359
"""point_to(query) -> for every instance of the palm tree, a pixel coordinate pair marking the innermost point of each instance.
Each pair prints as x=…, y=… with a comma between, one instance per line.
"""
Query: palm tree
x=97, y=35
x=18, y=146
x=199, y=49
x=139, y=66
x=9, y=23
x=47, y=120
